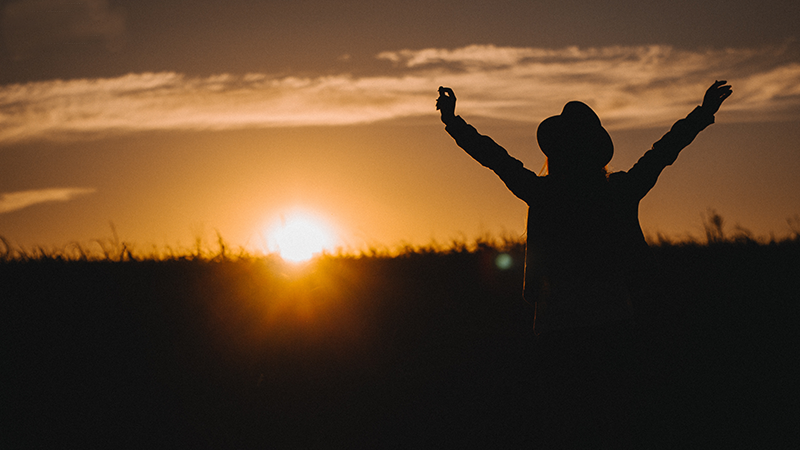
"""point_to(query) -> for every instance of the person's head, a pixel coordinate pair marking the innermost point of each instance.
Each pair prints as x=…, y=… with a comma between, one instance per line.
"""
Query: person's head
x=575, y=141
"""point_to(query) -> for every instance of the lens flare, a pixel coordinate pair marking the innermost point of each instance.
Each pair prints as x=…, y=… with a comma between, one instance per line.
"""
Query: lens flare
x=504, y=261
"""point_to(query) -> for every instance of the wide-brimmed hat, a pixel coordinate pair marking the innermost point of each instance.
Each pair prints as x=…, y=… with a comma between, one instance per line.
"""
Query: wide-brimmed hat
x=575, y=134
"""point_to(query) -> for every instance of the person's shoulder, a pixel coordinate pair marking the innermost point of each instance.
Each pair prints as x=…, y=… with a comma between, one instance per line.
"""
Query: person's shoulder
x=615, y=177
x=618, y=180
x=544, y=180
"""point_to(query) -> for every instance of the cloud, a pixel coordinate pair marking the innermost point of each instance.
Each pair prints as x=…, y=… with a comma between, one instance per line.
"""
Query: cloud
x=31, y=26
x=12, y=201
x=630, y=87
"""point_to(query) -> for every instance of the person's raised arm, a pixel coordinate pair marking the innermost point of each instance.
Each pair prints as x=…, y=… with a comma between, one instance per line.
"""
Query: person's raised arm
x=482, y=148
x=664, y=152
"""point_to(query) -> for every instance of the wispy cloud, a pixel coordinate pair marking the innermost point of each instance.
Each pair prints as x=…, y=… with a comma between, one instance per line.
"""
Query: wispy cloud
x=12, y=201
x=630, y=87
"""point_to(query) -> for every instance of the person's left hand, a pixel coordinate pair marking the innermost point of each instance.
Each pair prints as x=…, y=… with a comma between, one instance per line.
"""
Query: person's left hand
x=715, y=95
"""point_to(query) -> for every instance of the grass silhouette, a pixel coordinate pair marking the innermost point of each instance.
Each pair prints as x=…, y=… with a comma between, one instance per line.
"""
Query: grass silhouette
x=424, y=347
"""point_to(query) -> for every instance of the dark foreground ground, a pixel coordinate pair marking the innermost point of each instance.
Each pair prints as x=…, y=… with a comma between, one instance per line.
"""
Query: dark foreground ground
x=420, y=351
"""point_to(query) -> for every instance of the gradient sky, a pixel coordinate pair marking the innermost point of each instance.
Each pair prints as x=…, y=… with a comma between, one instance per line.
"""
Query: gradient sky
x=176, y=119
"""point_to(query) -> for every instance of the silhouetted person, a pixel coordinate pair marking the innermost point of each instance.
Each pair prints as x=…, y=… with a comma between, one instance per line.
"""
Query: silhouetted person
x=584, y=241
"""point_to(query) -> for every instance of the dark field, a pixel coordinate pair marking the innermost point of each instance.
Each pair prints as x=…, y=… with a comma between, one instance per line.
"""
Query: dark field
x=425, y=350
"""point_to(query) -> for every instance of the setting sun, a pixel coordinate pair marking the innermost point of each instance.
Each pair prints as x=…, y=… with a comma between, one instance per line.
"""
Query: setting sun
x=299, y=236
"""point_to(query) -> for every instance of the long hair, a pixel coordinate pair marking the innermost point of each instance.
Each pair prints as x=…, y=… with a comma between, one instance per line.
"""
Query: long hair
x=546, y=169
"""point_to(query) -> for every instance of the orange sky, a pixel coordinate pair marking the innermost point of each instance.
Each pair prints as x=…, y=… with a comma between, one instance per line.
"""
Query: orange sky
x=173, y=122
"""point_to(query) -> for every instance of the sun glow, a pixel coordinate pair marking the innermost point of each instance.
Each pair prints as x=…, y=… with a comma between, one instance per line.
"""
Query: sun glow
x=299, y=236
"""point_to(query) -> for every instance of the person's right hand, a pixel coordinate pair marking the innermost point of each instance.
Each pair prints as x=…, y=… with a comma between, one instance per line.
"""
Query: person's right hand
x=715, y=95
x=446, y=104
